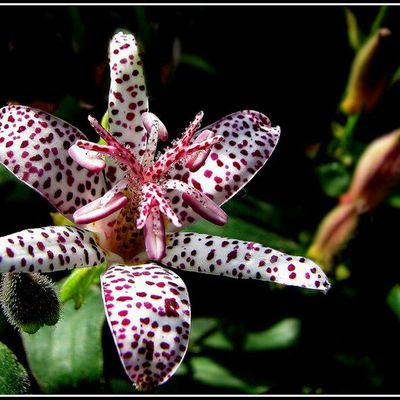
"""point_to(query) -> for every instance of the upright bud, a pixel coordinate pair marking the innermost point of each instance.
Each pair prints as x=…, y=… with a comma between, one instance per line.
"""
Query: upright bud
x=370, y=72
x=376, y=174
x=29, y=300
x=335, y=230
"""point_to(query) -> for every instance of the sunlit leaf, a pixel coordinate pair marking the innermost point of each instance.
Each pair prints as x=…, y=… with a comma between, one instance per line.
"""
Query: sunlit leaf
x=68, y=356
x=282, y=335
x=13, y=377
x=211, y=373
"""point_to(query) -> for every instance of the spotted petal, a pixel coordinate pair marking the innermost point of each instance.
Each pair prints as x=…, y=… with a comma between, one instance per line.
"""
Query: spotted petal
x=249, y=142
x=148, y=313
x=127, y=97
x=34, y=146
x=49, y=249
x=239, y=259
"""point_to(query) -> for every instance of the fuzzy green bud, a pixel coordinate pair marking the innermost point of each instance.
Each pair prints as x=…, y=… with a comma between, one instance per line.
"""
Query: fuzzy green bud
x=29, y=300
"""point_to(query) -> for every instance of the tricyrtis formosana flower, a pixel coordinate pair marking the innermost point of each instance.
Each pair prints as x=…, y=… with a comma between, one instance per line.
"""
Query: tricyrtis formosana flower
x=129, y=204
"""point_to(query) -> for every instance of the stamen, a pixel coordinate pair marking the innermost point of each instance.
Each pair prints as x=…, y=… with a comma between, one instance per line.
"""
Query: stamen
x=192, y=128
x=152, y=196
x=151, y=145
x=154, y=235
x=197, y=160
x=104, y=206
x=86, y=158
x=206, y=209
x=117, y=151
x=148, y=118
x=199, y=202
x=178, y=151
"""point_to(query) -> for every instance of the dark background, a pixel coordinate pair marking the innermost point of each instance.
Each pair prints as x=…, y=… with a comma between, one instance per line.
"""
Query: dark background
x=289, y=62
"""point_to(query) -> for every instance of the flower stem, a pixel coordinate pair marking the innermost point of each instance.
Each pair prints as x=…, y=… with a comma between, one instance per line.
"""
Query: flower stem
x=379, y=19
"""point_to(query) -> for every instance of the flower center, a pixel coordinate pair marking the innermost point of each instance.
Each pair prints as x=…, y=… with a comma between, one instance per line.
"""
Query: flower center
x=141, y=192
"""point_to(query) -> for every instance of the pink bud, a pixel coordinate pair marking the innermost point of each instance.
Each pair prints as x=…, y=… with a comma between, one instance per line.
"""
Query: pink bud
x=335, y=230
x=370, y=73
x=376, y=174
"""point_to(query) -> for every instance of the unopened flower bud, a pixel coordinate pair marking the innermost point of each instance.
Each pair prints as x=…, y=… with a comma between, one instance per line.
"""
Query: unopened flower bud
x=29, y=300
x=335, y=230
x=376, y=174
x=370, y=73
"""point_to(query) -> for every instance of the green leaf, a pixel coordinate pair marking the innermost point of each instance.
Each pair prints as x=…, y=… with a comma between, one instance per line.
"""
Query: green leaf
x=13, y=377
x=396, y=76
x=218, y=341
x=240, y=229
x=197, y=62
x=282, y=335
x=201, y=326
x=105, y=125
x=353, y=31
x=69, y=355
x=69, y=108
x=77, y=284
x=78, y=29
x=211, y=373
x=334, y=178
x=143, y=25
x=121, y=386
x=6, y=175
x=393, y=300
x=394, y=200
x=60, y=220
x=379, y=19
x=342, y=272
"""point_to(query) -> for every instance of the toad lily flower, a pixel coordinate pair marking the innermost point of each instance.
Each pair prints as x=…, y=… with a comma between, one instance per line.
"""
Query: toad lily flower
x=128, y=208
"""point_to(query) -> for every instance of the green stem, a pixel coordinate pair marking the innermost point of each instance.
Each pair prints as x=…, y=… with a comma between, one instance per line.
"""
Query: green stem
x=379, y=19
x=349, y=129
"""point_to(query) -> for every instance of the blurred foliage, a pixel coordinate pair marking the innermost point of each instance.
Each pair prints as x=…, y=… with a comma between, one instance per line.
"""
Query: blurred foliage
x=247, y=336
x=13, y=377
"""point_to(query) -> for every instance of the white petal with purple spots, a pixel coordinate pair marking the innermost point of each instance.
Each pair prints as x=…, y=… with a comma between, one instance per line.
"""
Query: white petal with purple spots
x=127, y=97
x=53, y=248
x=240, y=259
x=148, y=312
x=34, y=147
x=231, y=164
